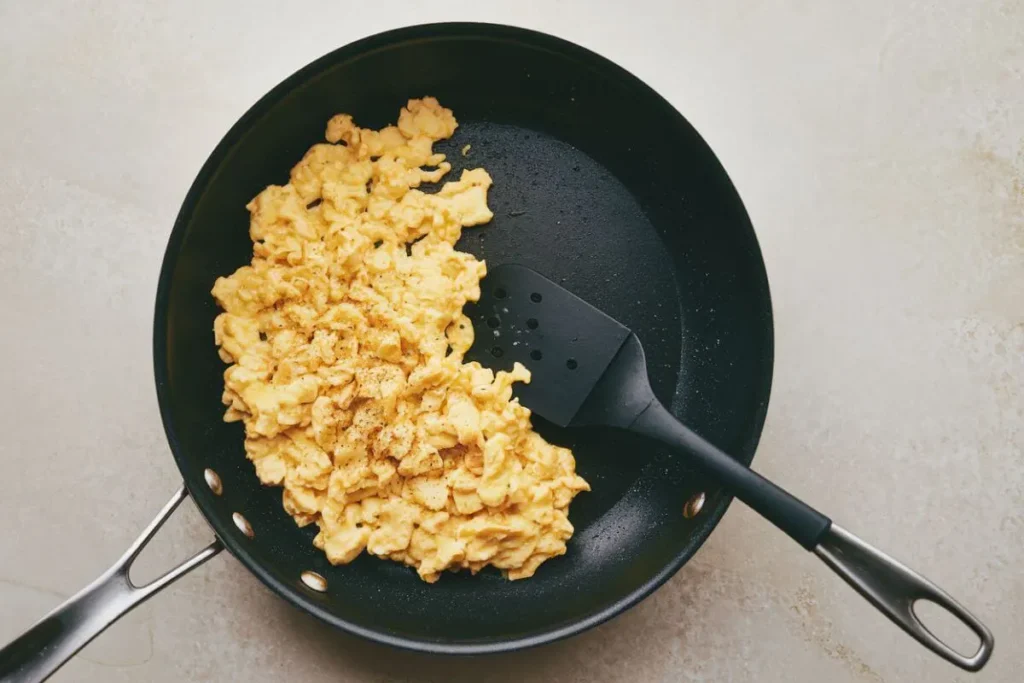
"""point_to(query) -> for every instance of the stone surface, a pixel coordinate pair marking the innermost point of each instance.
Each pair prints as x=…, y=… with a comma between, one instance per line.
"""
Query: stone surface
x=879, y=148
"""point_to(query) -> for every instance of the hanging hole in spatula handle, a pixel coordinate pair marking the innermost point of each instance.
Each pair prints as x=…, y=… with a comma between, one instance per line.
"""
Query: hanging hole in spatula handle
x=894, y=588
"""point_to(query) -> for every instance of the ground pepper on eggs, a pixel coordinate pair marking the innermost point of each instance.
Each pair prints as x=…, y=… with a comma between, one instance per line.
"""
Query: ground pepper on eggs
x=345, y=338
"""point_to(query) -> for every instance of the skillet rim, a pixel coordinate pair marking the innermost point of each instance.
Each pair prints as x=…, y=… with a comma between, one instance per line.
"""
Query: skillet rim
x=223, y=528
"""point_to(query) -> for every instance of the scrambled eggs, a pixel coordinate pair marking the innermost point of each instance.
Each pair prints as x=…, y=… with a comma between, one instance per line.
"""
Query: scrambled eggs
x=346, y=336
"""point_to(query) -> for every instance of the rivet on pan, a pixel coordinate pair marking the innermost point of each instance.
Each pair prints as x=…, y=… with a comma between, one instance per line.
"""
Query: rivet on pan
x=243, y=524
x=693, y=506
x=213, y=481
x=314, y=581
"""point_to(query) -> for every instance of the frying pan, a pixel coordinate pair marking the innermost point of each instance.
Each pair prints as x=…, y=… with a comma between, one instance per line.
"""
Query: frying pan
x=599, y=184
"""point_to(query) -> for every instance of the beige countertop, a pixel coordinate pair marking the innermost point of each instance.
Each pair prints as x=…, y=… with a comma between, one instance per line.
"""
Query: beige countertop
x=879, y=147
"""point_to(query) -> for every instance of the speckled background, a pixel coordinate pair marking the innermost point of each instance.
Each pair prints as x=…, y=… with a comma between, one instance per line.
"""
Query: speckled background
x=879, y=147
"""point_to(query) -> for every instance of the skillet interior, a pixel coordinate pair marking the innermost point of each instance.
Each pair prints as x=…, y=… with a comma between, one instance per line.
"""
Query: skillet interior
x=598, y=184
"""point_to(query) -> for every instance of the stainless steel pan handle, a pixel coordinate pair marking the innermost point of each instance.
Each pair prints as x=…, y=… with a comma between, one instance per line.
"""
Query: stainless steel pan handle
x=36, y=654
x=894, y=588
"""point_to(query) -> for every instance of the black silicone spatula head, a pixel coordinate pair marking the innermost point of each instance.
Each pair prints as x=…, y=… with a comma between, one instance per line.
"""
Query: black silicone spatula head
x=567, y=344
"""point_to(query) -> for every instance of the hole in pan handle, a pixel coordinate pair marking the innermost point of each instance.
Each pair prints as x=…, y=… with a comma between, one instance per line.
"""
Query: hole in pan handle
x=894, y=588
x=37, y=653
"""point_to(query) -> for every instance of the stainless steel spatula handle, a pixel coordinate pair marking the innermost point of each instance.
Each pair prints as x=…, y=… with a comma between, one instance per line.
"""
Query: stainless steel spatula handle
x=889, y=585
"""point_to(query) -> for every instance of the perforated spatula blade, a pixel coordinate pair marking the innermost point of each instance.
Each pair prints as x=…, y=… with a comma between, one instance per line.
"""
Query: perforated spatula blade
x=588, y=369
x=566, y=343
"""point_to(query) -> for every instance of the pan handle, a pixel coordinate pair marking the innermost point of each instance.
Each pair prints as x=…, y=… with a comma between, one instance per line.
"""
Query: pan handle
x=36, y=654
x=894, y=589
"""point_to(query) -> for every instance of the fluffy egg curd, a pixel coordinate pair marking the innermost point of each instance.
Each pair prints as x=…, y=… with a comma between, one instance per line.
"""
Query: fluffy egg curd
x=346, y=337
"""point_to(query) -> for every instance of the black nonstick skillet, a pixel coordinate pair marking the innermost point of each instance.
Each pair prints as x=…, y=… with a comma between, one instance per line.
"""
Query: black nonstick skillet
x=600, y=185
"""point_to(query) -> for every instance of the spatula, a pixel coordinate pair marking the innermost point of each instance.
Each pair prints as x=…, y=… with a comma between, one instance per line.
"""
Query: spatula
x=589, y=369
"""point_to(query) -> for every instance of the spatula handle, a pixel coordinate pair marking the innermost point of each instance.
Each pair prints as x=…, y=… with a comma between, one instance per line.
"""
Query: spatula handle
x=803, y=523
x=889, y=585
